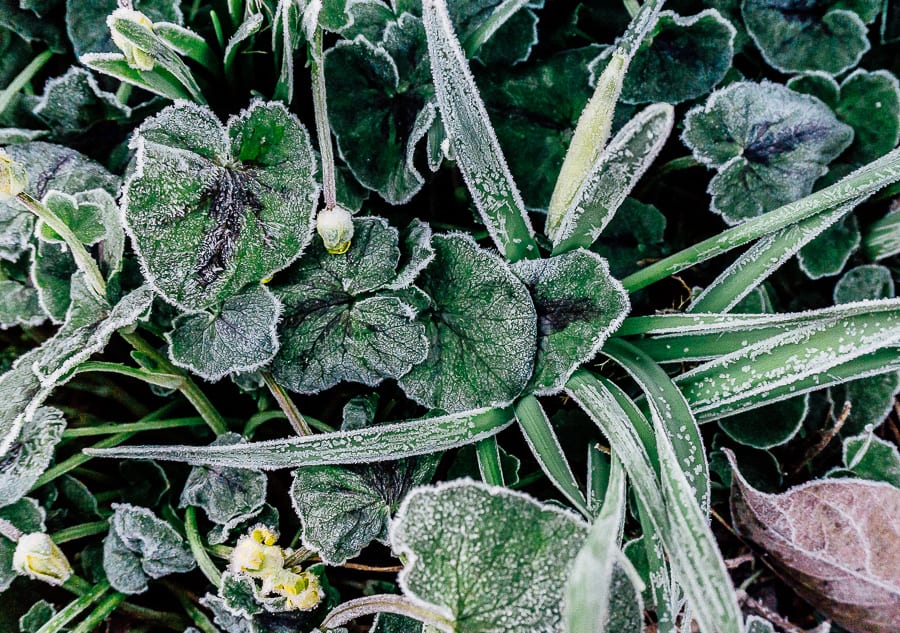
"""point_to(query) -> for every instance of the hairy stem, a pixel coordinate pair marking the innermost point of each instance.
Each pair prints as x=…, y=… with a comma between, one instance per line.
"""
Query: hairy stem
x=298, y=422
x=205, y=563
x=323, y=126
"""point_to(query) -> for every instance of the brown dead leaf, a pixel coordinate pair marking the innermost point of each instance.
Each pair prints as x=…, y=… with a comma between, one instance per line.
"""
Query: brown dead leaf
x=836, y=542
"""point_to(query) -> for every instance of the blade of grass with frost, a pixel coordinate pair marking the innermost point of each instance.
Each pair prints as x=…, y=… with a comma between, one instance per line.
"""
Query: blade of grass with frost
x=546, y=449
x=862, y=182
x=158, y=81
x=383, y=442
x=670, y=413
x=282, y=35
x=501, y=13
x=469, y=131
x=612, y=177
x=664, y=588
x=749, y=375
x=188, y=44
x=689, y=542
x=487, y=451
x=586, y=600
x=594, y=124
x=764, y=258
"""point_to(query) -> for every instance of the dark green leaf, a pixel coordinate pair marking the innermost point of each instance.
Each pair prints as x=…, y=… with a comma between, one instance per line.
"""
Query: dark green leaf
x=827, y=254
x=871, y=400
x=86, y=21
x=30, y=454
x=870, y=281
x=782, y=421
x=19, y=305
x=38, y=615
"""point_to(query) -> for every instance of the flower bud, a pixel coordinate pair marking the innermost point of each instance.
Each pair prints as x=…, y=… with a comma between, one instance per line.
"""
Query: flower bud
x=38, y=557
x=13, y=178
x=136, y=58
x=301, y=591
x=335, y=226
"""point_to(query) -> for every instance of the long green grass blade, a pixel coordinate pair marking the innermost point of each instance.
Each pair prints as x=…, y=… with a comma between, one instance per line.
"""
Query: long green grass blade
x=488, y=453
x=475, y=144
x=545, y=446
x=158, y=81
x=670, y=503
x=862, y=182
x=383, y=442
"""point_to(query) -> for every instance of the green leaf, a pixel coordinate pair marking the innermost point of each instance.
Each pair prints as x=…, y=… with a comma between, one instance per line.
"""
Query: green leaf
x=51, y=271
x=38, y=615
x=870, y=281
x=335, y=328
x=73, y=103
x=391, y=623
x=211, y=209
x=473, y=140
x=636, y=232
x=30, y=454
x=827, y=254
x=578, y=306
x=225, y=493
x=86, y=21
x=498, y=578
x=756, y=624
x=238, y=336
x=19, y=305
x=882, y=239
x=140, y=546
x=871, y=400
x=482, y=330
x=241, y=524
x=26, y=515
x=821, y=35
x=158, y=81
x=871, y=457
x=682, y=58
x=30, y=26
x=386, y=80
x=343, y=509
x=768, y=144
x=783, y=421
x=15, y=53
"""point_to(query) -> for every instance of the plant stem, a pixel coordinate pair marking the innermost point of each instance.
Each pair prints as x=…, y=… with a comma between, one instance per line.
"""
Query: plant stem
x=488, y=453
x=100, y=613
x=188, y=388
x=503, y=12
x=23, y=78
x=74, y=608
x=168, y=381
x=82, y=530
x=632, y=6
x=385, y=603
x=205, y=563
x=862, y=182
x=132, y=427
x=82, y=258
x=298, y=422
x=323, y=126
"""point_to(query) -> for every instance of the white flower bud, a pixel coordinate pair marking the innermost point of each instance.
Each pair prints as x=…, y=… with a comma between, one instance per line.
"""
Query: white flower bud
x=136, y=58
x=38, y=557
x=13, y=179
x=335, y=227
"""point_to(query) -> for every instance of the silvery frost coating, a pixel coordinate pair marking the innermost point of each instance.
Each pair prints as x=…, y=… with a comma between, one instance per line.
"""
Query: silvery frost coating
x=136, y=58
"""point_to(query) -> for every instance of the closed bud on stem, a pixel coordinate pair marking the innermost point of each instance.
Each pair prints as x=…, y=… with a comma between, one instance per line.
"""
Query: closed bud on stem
x=335, y=227
x=136, y=58
x=13, y=178
x=38, y=557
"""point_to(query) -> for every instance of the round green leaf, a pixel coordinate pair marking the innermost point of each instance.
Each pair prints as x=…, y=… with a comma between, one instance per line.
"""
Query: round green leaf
x=871, y=400
x=211, y=210
x=30, y=454
x=828, y=253
x=870, y=281
x=482, y=330
x=768, y=426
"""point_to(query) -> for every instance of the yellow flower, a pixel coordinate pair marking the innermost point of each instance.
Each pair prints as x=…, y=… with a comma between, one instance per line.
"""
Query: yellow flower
x=301, y=591
x=38, y=557
x=335, y=227
x=13, y=179
x=257, y=555
x=137, y=58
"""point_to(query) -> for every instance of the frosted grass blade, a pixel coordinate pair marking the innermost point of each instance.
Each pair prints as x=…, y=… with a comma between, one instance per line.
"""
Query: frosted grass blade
x=473, y=139
x=158, y=81
x=370, y=444
x=545, y=446
x=488, y=453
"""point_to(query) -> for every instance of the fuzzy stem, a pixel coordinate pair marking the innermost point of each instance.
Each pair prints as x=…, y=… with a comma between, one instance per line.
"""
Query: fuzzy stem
x=205, y=563
x=168, y=381
x=82, y=530
x=132, y=427
x=298, y=422
x=100, y=613
x=323, y=126
x=23, y=78
x=385, y=603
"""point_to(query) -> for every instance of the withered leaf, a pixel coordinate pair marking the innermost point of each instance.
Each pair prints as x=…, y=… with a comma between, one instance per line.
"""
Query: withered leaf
x=836, y=542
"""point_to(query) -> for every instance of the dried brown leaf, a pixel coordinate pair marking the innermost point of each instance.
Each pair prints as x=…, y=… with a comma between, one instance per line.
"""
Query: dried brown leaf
x=836, y=542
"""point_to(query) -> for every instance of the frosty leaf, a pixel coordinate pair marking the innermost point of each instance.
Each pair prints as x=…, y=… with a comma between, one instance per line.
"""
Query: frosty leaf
x=636, y=232
x=578, y=306
x=756, y=624
x=85, y=220
x=869, y=281
x=378, y=93
x=680, y=59
x=512, y=42
x=468, y=556
x=28, y=517
x=343, y=509
x=768, y=144
x=870, y=457
x=51, y=273
x=15, y=53
x=415, y=254
x=871, y=400
x=238, y=336
x=211, y=210
x=19, y=305
x=225, y=493
x=783, y=420
x=48, y=167
x=482, y=330
x=73, y=103
x=145, y=482
x=534, y=108
x=30, y=26
x=86, y=21
x=334, y=329
x=828, y=253
x=798, y=35
x=38, y=615
x=30, y=454
x=391, y=623
x=241, y=524
x=883, y=236
x=140, y=546
x=834, y=542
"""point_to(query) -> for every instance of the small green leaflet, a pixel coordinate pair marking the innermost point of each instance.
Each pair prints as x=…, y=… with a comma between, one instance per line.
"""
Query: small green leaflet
x=783, y=421
x=870, y=457
x=73, y=103
x=30, y=454
x=236, y=337
x=140, y=546
x=869, y=281
x=871, y=400
x=19, y=305
x=211, y=209
x=52, y=268
x=341, y=322
x=468, y=556
x=830, y=251
x=482, y=330
x=343, y=509
x=768, y=144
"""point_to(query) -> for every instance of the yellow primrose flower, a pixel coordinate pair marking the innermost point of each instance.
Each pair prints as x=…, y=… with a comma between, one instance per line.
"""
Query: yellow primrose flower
x=302, y=591
x=38, y=557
